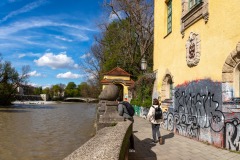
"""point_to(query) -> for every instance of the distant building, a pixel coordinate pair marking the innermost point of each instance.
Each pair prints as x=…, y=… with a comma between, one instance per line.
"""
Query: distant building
x=45, y=97
x=197, y=65
x=20, y=90
x=121, y=78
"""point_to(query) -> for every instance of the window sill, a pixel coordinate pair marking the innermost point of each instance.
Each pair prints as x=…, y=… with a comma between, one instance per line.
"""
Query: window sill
x=167, y=35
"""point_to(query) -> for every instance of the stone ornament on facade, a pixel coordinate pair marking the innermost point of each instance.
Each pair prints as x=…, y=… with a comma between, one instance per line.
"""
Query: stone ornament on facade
x=193, y=49
x=190, y=16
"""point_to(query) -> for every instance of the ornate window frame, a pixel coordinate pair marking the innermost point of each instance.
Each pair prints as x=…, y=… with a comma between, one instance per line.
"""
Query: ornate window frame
x=192, y=15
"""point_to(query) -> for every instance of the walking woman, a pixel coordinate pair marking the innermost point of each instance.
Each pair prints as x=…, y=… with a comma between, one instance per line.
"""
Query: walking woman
x=155, y=117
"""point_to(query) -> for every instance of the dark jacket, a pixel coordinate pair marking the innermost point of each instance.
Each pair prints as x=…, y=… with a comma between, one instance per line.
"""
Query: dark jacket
x=122, y=111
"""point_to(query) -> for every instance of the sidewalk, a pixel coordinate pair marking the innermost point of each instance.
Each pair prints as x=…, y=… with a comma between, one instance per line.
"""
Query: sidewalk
x=175, y=147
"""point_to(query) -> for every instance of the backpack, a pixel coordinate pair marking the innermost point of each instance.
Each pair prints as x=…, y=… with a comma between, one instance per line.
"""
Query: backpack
x=158, y=113
x=129, y=108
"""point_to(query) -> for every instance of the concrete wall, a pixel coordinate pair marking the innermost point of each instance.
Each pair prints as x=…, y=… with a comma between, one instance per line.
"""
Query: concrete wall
x=112, y=138
x=198, y=111
x=109, y=143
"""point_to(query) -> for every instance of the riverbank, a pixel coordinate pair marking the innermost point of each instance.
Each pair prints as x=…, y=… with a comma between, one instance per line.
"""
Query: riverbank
x=36, y=102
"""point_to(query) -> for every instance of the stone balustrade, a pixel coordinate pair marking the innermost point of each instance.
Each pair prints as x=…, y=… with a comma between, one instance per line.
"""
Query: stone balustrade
x=109, y=143
x=112, y=137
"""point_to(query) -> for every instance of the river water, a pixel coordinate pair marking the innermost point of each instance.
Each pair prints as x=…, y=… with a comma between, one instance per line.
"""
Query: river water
x=45, y=132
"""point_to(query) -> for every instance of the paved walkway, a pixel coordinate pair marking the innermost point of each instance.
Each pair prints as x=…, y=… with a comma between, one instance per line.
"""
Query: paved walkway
x=175, y=147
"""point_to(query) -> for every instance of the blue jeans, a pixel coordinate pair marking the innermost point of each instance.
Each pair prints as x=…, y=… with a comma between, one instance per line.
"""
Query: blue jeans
x=155, y=131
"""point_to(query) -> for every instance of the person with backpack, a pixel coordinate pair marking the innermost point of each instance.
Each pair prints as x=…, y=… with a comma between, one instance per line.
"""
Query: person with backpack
x=155, y=117
x=126, y=110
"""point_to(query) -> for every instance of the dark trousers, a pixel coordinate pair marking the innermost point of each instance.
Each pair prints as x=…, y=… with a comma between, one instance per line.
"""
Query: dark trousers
x=155, y=131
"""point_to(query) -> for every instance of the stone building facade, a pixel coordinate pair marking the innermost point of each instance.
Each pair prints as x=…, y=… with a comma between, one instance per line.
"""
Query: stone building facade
x=197, y=66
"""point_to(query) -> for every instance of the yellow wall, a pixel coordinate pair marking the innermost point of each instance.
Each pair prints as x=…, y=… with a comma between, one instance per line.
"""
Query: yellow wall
x=219, y=36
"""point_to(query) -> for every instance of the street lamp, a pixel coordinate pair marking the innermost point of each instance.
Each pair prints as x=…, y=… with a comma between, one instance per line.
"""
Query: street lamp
x=143, y=64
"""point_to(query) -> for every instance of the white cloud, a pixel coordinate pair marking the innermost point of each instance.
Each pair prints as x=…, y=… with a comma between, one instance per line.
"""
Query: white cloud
x=24, y=9
x=36, y=23
x=21, y=55
x=68, y=75
x=34, y=84
x=28, y=55
x=113, y=16
x=53, y=61
x=63, y=38
x=85, y=55
x=34, y=74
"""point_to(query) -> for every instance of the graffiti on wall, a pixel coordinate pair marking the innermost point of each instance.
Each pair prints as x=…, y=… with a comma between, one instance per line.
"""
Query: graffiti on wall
x=168, y=121
x=198, y=105
x=233, y=135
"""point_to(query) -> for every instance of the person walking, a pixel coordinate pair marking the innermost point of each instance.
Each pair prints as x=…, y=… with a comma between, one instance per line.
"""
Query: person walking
x=155, y=117
x=125, y=113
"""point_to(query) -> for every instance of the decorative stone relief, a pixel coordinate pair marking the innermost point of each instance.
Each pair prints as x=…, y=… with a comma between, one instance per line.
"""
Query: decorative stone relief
x=193, y=49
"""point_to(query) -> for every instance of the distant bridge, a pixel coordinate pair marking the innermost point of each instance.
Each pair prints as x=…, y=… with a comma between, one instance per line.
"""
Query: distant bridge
x=83, y=99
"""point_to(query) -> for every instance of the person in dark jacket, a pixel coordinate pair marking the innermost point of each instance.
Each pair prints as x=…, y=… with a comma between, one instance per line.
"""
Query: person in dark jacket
x=122, y=111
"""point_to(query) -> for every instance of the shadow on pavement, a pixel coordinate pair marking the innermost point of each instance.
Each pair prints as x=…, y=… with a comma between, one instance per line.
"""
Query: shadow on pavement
x=142, y=150
x=167, y=136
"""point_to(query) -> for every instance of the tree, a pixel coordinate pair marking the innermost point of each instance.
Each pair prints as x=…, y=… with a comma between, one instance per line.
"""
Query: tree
x=124, y=42
x=71, y=90
x=38, y=91
x=10, y=80
x=140, y=15
x=84, y=89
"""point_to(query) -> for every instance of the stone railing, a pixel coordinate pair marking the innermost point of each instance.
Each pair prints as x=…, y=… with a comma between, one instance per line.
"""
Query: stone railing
x=112, y=137
x=109, y=143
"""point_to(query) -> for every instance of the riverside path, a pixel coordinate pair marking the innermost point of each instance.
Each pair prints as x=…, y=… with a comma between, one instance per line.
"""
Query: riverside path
x=175, y=147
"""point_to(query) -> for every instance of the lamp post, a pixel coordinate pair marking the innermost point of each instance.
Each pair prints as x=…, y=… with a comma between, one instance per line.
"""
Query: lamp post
x=143, y=64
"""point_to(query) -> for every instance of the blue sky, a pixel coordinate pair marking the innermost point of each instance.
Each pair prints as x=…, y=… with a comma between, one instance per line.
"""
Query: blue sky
x=52, y=36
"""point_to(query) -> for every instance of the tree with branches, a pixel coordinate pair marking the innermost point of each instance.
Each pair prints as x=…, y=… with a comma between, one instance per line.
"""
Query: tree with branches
x=10, y=80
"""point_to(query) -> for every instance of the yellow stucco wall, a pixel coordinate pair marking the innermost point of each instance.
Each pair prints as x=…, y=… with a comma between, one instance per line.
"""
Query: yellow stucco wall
x=219, y=36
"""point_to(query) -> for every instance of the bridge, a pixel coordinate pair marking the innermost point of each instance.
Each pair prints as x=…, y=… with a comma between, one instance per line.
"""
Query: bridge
x=82, y=99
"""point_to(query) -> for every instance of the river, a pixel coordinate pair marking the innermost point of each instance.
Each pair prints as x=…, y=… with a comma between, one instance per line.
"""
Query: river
x=45, y=132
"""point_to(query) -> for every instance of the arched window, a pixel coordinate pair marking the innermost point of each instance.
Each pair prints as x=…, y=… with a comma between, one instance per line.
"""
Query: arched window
x=167, y=87
x=237, y=81
x=231, y=76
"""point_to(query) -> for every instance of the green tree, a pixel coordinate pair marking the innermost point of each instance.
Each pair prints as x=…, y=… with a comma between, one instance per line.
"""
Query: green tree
x=71, y=90
x=10, y=80
x=139, y=14
x=38, y=91
x=142, y=91
x=84, y=89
